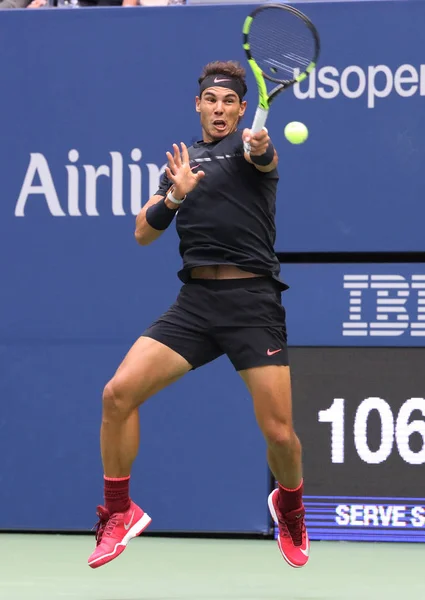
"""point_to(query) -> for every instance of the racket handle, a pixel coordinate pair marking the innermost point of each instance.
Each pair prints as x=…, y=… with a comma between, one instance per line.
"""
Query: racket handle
x=260, y=119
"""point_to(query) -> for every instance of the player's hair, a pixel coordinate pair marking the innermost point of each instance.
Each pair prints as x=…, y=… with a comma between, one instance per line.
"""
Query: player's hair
x=231, y=68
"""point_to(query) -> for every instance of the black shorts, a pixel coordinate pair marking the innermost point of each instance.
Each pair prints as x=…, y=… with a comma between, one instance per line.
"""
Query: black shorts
x=242, y=318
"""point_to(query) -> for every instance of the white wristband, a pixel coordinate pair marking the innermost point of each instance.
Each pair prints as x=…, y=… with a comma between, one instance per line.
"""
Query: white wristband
x=171, y=198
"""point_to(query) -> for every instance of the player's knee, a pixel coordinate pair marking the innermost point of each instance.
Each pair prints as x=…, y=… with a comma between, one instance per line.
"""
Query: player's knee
x=116, y=404
x=281, y=435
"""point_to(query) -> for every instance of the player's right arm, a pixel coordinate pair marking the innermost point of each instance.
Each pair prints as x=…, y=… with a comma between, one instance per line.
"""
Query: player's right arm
x=159, y=211
x=145, y=234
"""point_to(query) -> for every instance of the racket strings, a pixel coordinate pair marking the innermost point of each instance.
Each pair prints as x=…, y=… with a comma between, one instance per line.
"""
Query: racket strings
x=281, y=44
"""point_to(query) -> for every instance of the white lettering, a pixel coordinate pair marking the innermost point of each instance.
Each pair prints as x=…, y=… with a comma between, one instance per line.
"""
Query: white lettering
x=371, y=515
x=378, y=81
x=311, y=83
x=356, y=514
x=377, y=516
x=117, y=184
x=39, y=166
x=92, y=175
x=399, y=512
x=374, y=92
x=418, y=516
x=385, y=514
x=154, y=177
x=343, y=514
x=392, y=316
x=418, y=326
x=422, y=81
x=324, y=77
x=39, y=180
x=411, y=78
x=361, y=86
x=135, y=183
x=73, y=208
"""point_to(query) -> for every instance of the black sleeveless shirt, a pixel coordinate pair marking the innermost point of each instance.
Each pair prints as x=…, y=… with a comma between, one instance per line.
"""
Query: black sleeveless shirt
x=229, y=218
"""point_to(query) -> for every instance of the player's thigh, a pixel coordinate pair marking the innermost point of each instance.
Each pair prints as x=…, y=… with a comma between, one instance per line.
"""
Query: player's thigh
x=148, y=367
x=260, y=355
x=270, y=389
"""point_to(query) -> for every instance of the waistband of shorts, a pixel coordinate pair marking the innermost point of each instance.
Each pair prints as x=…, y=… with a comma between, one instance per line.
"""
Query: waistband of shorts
x=231, y=284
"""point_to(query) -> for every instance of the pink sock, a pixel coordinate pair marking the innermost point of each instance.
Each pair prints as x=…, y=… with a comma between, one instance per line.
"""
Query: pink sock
x=117, y=499
x=289, y=500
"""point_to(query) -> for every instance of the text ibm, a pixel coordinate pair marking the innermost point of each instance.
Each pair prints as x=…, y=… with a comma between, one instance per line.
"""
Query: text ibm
x=391, y=293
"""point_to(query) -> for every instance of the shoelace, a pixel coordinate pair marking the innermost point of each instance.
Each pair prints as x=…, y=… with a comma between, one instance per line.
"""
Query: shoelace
x=104, y=526
x=293, y=528
x=99, y=530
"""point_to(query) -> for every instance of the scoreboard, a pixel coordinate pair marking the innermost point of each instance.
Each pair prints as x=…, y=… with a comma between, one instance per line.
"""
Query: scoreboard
x=360, y=415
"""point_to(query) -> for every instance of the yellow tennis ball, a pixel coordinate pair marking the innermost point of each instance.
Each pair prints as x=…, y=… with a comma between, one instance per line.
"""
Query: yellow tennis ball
x=296, y=132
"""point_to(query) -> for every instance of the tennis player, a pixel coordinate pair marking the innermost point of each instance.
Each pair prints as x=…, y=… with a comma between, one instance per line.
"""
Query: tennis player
x=223, y=200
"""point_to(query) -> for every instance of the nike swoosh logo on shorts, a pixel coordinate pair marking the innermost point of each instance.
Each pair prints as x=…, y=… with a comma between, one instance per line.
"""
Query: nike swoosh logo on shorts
x=220, y=80
x=271, y=352
x=128, y=525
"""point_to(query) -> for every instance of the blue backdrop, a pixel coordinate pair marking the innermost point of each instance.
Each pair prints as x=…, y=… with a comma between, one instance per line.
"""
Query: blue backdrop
x=355, y=304
x=101, y=82
x=91, y=101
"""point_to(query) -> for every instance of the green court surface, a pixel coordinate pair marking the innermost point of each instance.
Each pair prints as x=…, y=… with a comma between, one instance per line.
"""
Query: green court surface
x=53, y=567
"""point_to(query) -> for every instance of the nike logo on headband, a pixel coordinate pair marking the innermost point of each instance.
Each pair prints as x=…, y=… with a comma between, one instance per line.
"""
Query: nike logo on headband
x=220, y=80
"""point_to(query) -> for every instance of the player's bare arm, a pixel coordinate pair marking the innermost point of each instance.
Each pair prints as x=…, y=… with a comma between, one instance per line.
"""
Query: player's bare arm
x=262, y=147
x=144, y=233
x=149, y=227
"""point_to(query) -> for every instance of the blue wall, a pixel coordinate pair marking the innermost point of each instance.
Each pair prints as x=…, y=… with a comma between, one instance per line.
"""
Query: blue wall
x=87, y=88
x=100, y=82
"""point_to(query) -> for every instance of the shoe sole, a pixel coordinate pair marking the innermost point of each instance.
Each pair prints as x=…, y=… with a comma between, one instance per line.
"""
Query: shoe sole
x=275, y=519
x=133, y=532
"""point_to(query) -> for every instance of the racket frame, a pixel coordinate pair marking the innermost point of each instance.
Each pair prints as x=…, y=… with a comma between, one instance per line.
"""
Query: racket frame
x=265, y=98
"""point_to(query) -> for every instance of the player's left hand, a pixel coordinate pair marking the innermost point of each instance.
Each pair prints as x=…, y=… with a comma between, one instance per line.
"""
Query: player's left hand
x=180, y=173
x=258, y=141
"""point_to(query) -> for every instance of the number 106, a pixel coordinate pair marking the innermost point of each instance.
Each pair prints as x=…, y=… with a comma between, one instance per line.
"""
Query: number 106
x=393, y=429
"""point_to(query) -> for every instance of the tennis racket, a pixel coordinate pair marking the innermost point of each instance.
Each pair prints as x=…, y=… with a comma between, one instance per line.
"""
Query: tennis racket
x=282, y=45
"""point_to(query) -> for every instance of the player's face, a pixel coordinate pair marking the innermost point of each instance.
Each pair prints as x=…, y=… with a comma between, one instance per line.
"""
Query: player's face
x=221, y=111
